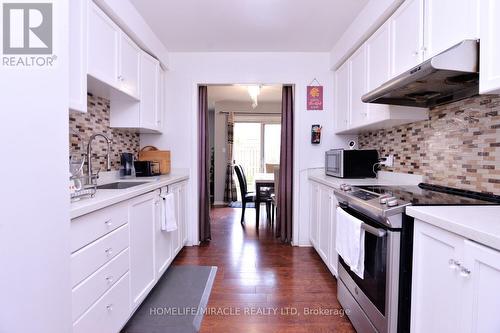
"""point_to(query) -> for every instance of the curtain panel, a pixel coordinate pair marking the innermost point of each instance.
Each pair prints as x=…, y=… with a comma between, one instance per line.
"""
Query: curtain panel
x=230, y=186
x=203, y=166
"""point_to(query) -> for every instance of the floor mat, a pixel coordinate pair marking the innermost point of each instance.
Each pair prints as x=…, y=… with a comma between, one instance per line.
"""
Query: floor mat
x=176, y=303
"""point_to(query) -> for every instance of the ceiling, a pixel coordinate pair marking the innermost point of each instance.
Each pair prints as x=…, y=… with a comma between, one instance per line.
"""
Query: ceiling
x=239, y=93
x=249, y=25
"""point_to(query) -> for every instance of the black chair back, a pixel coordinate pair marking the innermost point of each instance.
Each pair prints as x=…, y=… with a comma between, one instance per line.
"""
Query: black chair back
x=242, y=180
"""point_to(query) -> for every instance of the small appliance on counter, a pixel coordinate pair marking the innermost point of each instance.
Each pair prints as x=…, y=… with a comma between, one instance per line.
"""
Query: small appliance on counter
x=351, y=163
x=127, y=165
x=147, y=168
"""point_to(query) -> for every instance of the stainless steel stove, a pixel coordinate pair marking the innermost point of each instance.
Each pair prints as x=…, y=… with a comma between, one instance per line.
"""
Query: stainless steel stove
x=380, y=302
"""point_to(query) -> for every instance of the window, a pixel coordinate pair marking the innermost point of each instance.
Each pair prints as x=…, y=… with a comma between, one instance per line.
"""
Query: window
x=255, y=145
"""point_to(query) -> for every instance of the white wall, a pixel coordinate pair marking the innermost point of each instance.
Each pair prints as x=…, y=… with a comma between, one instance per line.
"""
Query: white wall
x=34, y=200
x=187, y=70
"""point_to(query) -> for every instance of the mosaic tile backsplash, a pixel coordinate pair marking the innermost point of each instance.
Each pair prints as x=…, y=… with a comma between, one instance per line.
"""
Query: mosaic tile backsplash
x=96, y=120
x=459, y=146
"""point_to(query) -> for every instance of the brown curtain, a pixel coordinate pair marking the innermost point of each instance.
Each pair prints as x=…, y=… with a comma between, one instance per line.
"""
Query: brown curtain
x=230, y=186
x=285, y=208
x=204, y=165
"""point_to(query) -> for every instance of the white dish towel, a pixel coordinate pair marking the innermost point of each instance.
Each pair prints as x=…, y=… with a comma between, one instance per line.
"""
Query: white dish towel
x=350, y=241
x=168, y=220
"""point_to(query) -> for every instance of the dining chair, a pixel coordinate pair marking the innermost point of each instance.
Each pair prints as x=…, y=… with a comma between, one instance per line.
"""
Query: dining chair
x=274, y=196
x=246, y=196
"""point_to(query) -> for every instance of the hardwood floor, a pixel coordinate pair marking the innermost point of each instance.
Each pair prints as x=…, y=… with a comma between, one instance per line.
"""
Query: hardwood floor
x=257, y=275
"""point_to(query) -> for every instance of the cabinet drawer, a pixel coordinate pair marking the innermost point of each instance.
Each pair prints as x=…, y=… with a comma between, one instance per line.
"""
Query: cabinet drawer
x=109, y=313
x=89, y=291
x=87, y=260
x=88, y=228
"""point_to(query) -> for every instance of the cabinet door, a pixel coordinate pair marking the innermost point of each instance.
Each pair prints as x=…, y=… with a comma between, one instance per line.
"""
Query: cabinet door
x=333, y=260
x=489, y=76
x=177, y=234
x=324, y=222
x=130, y=56
x=183, y=212
x=406, y=36
x=342, y=97
x=481, y=296
x=163, y=243
x=448, y=22
x=435, y=302
x=103, y=37
x=358, y=80
x=160, y=110
x=149, y=91
x=142, y=215
x=314, y=212
x=78, y=55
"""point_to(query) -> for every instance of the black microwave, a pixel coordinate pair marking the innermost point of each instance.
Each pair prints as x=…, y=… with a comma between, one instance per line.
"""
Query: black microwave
x=344, y=163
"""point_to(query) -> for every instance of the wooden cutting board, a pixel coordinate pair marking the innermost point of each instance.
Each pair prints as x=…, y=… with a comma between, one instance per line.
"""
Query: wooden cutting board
x=151, y=153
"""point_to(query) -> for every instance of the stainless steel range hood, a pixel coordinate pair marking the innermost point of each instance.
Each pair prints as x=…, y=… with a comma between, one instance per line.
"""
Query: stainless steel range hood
x=447, y=77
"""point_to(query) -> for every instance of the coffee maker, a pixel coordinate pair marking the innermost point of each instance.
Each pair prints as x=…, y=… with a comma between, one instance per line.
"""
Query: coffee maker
x=127, y=168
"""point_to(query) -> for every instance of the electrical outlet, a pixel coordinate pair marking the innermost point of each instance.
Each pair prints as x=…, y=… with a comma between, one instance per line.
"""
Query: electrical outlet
x=389, y=161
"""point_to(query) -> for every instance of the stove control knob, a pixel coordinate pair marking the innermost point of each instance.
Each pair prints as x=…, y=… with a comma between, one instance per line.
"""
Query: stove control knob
x=392, y=203
x=383, y=199
x=345, y=187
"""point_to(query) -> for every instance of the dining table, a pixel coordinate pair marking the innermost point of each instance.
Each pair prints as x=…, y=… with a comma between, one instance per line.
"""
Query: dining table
x=262, y=180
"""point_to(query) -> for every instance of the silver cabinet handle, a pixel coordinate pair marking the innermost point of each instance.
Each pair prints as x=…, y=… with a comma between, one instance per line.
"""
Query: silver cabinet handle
x=109, y=279
x=464, y=272
x=454, y=264
x=108, y=223
x=109, y=307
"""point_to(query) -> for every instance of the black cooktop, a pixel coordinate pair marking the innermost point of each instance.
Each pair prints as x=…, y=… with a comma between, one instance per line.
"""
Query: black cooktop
x=429, y=195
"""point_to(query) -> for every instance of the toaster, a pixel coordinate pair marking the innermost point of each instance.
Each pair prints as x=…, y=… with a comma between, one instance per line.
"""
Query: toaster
x=147, y=168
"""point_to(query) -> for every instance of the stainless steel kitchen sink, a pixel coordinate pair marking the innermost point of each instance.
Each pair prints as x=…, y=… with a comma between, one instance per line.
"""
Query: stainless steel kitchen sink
x=119, y=185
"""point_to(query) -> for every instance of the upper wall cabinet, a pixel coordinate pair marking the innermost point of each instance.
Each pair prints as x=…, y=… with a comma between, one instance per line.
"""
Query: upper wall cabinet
x=342, y=82
x=489, y=72
x=78, y=55
x=146, y=114
x=448, y=22
x=407, y=36
x=113, y=58
x=103, y=39
x=357, y=74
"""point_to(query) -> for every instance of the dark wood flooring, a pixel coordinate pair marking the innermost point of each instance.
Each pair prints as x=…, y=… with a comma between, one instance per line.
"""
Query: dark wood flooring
x=258, y=275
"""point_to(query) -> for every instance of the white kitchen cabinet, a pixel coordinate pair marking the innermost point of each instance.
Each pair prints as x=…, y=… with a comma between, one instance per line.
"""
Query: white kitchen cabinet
x=103, y=39
x=489, y=74
x=342, y=97
x=183, y=212
x=149, y=92
x=163, y=243
x=481, y=296
x=435, y=301
x=454, y=283
x=333, y=258
x=129, y=66
x=378, y=55
x=78, y=55
x=314, y=204
x=142, y=213
x=448, y=22
x=407, y=36
x=179, y=236
x=325, y=217
x=145, y=115
x=358, y=83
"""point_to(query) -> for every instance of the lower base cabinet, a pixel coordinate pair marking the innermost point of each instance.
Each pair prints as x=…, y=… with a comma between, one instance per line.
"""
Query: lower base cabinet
x=322, y=225
x=128, y=257
x=142, y=216
x=454, y=284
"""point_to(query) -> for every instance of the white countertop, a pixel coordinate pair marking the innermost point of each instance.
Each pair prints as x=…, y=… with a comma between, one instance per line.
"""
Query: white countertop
x=384, y=178
x=478, y=223
x=104, y=198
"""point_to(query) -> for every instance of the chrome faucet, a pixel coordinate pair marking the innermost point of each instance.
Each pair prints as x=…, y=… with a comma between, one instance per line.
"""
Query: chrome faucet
x=89, y=154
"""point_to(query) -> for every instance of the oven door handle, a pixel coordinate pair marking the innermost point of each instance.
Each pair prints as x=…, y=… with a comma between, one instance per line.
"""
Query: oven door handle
x=377, y=232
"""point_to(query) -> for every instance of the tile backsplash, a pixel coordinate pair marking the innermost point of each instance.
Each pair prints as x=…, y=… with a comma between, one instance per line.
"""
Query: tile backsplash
x=459, y=146
x=96, y=120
